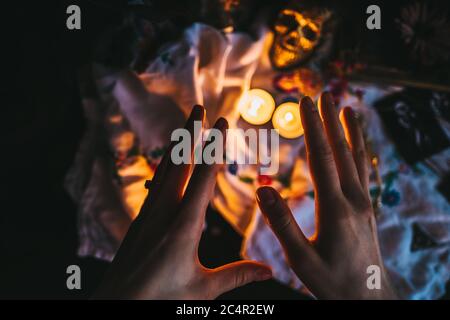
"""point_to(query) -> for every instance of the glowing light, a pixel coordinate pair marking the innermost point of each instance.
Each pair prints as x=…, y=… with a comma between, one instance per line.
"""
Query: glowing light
x=286, y=120
x=288, y=117
x=256, y=106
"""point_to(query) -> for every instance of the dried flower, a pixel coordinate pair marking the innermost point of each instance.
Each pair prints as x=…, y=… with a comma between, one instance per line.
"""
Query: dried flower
x=425, y=30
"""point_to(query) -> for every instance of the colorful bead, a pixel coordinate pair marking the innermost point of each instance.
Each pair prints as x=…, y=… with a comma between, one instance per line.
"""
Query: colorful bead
x=264, y=180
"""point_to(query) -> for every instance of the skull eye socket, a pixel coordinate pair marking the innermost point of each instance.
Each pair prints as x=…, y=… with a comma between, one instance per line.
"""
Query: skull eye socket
x=309, y=33
x=285, y=23
x=292, y=39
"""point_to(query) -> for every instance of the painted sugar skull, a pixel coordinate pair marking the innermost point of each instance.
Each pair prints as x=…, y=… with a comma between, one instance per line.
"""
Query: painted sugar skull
x=298, y=33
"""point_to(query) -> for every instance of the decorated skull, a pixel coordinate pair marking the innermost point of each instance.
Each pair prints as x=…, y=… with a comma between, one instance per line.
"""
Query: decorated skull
x=298, y=32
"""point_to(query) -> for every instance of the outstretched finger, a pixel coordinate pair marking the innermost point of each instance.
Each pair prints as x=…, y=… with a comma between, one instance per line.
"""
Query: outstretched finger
x=201, y=185
x=348, y=174
x=320, y=156
x=167, y=188
x=354, y=136
x=295, y=244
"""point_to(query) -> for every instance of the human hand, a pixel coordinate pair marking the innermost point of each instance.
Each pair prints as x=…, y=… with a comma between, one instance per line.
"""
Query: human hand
x=158, y=258
x=144, y=109
x=333, y=263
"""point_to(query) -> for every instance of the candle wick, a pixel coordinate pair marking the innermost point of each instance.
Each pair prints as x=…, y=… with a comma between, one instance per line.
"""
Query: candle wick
x=255, y=106
x=289, y=117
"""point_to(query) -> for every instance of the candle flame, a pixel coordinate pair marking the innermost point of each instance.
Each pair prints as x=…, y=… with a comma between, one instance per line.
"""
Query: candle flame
x=255, y=106
x=288, y=117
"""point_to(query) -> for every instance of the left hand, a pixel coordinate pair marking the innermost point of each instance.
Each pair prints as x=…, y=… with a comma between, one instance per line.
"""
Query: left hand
x=158, y=258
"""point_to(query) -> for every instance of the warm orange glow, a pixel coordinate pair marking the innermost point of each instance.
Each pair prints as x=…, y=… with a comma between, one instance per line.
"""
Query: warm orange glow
x=297, y=35
x=286, y=120
x=305, y=43
x=256, y=106
x=305, y=81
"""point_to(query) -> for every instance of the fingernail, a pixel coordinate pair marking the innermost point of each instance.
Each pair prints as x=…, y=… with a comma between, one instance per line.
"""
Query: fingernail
x=307, y=104
x=349, y=111
x=265, y=196
x=327, y=98
x=352, y=114
x=263, y=274
x=197, y=113
x=221, y=124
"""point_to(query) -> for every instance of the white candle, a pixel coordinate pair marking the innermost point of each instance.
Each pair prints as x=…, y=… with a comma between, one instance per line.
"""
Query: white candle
x=256, y=106
x=286, y=120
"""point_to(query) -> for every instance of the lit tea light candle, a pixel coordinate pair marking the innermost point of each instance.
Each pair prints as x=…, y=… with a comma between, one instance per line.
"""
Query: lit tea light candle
x=256, y=106
x=286, y=120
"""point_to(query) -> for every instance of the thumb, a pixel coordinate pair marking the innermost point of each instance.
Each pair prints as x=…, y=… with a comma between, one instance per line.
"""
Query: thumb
x=237, y=274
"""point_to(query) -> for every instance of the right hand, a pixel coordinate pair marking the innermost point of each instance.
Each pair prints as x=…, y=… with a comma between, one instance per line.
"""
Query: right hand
x=333, y=263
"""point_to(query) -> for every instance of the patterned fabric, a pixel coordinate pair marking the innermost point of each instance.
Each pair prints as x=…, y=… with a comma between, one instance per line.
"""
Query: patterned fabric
x=210, y=68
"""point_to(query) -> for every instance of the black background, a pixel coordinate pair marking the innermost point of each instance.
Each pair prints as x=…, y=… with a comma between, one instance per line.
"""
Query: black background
x=42, y=124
